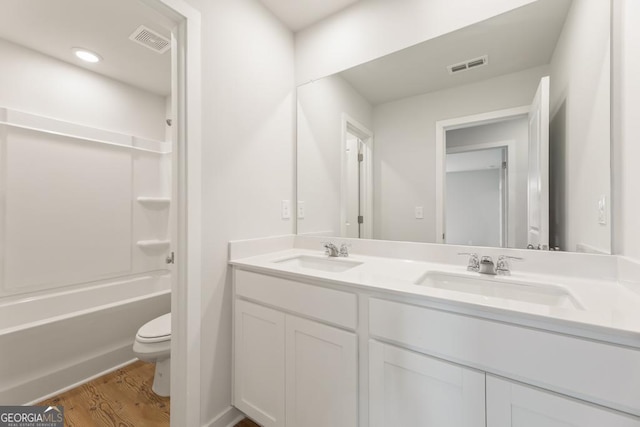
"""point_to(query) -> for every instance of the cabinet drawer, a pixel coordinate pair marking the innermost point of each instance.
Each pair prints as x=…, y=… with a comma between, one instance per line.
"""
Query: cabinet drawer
x=605, y=374
x=329, y=305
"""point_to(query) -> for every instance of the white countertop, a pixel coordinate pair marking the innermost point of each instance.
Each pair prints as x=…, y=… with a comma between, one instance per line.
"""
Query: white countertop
x=608, y=311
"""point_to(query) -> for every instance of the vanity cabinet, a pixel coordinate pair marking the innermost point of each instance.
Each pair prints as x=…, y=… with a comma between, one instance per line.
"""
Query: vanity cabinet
x=303, y=357
x=412, y=389
x=321, y=375
x=259, y=363
x=289, y=370
x=511, y=404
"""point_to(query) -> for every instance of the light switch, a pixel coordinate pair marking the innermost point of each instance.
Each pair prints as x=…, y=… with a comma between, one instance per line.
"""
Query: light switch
x=285, y=208
x=300, y=210
x=419, y=212
x=602, y=210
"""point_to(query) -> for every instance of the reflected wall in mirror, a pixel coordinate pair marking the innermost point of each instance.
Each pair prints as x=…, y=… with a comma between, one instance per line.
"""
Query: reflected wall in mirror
x=402, y=148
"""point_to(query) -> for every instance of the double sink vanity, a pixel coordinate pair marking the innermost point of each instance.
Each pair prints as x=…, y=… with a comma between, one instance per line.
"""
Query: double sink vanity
x=401, y=334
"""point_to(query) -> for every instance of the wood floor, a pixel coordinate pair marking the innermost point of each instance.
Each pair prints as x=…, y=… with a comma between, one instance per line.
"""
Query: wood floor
x=246, y=423
x=122, y=398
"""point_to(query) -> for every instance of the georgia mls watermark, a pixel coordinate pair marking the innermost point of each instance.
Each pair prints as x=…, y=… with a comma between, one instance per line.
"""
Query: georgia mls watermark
x=31, y=416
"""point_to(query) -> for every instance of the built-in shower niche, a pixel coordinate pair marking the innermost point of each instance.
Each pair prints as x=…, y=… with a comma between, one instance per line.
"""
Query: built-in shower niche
x=79, y=204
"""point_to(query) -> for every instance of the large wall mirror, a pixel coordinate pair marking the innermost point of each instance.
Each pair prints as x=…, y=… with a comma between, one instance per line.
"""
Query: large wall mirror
x=497, y=134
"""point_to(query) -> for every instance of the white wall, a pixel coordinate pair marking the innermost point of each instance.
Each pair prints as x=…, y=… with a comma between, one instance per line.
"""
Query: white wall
x=580, y=126
x=516, y=130
x=627, y=128
x=404, y=148
x=374, y=28
x=247, y=161
x=321, y=105
x=38, y=84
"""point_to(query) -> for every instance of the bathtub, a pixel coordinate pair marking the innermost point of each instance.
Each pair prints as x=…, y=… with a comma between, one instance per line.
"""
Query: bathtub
x=50, y=343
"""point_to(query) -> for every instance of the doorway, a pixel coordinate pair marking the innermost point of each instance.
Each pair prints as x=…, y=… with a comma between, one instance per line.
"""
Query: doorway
x=356, y=207
x=477, y=196
x=527, y=221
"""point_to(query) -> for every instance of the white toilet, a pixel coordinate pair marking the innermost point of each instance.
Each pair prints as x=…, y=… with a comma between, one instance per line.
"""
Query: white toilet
x=153, y=344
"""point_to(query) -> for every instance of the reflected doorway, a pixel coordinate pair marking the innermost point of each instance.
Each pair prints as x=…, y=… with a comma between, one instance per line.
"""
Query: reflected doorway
x=477, y=196
x=356, y=205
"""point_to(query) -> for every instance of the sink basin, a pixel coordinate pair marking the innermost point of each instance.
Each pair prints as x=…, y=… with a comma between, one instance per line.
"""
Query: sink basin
x=326, y=264
x=504, y=288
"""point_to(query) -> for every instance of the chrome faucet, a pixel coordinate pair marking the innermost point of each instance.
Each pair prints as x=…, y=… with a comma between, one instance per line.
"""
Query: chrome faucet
x=487, y=266
x=332, y=250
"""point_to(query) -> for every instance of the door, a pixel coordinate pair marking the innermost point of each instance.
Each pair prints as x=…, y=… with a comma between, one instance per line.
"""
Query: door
x=411, y=389
x=321, y=375
x=538, y=171
x=259, y=363
x=515, y=405
x=354, y=157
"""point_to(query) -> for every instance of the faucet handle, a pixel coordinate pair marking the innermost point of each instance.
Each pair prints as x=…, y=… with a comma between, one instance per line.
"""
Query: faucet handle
x=474, y=261
x=344, y=250
x=327, y=247
x=503, y=267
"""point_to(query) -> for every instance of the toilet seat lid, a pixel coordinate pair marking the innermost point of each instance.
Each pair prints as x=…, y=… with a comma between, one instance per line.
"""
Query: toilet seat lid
x=158, y=329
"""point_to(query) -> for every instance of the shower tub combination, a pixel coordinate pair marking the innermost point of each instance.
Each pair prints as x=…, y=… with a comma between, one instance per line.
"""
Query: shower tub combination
x=51, y=343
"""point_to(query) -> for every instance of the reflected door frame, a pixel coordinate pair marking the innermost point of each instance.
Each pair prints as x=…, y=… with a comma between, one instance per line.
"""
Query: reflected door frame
x=507, y=186
x=352, y=126
x=442, y=126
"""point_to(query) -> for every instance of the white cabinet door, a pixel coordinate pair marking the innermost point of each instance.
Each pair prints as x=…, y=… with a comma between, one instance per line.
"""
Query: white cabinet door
x=514, y=405
x=321, y=375
x=259, y=363
x=411, y=389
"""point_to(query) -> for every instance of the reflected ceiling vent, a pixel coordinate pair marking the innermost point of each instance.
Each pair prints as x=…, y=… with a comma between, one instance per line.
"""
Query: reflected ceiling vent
x=150, y=39
x=468, y=65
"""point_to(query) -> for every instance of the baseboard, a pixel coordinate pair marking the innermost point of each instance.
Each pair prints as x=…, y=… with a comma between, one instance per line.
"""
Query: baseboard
x=46, y=386
x=227, y=418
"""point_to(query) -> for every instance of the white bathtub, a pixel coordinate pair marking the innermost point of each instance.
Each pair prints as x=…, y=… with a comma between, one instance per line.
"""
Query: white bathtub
x=52, y=342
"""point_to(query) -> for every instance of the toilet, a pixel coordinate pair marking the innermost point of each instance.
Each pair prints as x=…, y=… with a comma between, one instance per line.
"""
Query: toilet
x=153, y=344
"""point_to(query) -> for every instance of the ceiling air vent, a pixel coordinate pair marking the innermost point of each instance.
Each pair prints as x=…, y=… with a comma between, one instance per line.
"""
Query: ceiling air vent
x=150, y=39
x=469, y=64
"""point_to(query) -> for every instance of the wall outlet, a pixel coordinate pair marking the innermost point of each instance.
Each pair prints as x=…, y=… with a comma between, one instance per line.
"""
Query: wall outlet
x=602, y=210
x=285, y=209
x=419, y=212
x=300, y=210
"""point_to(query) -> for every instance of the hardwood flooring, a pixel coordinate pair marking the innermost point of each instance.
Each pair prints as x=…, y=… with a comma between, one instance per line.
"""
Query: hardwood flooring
x=122, y=398
x=246, y=423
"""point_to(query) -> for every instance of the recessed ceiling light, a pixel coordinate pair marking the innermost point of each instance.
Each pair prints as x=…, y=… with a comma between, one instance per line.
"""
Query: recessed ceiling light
x=86, y=55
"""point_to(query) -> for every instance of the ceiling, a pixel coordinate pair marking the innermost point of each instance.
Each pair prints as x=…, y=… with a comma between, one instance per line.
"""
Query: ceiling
x=103, y=26
x=517, y=40
x=299, y=14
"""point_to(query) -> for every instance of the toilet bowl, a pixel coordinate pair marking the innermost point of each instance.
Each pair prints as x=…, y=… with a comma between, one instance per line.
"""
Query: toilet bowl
x=153, y=344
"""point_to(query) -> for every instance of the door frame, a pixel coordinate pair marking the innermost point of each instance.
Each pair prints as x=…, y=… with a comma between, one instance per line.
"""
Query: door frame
x=442, y=126
x=508, y=224
x=186, y=200
x=349, y=124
